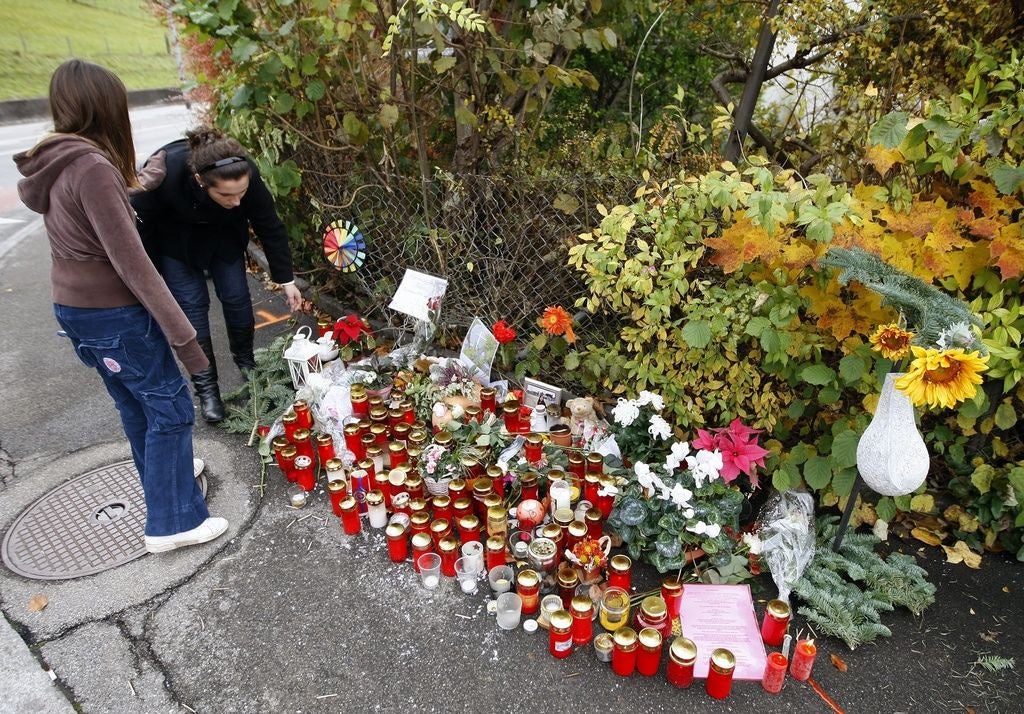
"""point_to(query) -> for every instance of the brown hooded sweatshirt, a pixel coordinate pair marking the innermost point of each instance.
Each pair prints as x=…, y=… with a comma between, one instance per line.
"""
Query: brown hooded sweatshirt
x=98, y=258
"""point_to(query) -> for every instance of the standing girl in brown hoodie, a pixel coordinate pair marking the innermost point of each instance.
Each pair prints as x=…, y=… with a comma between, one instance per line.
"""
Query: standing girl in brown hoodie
x=109, y=299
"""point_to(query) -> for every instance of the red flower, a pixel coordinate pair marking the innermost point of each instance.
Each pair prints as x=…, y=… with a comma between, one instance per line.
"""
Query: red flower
x=502, y=332
x=348, y=329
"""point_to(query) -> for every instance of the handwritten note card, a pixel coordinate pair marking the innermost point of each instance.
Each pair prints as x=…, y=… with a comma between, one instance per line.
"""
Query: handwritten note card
x=418, y=293
x=716, y=616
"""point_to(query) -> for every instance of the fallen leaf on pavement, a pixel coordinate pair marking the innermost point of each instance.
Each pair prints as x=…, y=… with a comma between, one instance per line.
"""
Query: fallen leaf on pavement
x=38, y=602
x=1006, y=589
x=961, y=553
x=990, y=636
x=926, y=536
x=839, y=664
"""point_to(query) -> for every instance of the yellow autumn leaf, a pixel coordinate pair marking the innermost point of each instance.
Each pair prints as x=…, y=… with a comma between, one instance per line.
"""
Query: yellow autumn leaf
x=38, y=602
x=926, y=536
x=871, y=90
x=922, y=503
x=882, y=159
x=961, y=553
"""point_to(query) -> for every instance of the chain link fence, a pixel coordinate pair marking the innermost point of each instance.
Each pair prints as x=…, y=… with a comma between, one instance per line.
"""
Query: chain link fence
x=501, y=241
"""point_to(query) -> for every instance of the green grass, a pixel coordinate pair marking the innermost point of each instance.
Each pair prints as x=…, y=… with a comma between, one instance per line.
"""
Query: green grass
x=124, y=35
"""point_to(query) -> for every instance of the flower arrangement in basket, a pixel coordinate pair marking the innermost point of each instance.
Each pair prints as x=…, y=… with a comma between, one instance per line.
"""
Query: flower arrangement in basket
x=438, y=466
x=354, y=337
x=590, y=557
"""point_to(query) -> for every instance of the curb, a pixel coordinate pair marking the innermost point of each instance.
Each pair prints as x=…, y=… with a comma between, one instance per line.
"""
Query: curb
x=18, y=110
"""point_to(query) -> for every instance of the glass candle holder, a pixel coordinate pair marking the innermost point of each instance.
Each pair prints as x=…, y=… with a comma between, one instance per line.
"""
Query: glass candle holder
x=672, y=594
x=591, y=484
x=614, y=608
x=380, y=483
x=568, y=580
x=473, y=552
x=495, y=552
x=510, y=413
x=350, y=521
x=304, y=474
x=577, y=464
x=360, y=404
x=620, y=572
x=528, y=486
x=335, y=469
x=624, y=651
x=595, y=523
x=500, y=578
x=441, y=507
x=430, y=570
x=376, y=454
x=421, y=545
x=397, y=454
x=606, y=496
x=682, y=657
x=497, y=477
x=560, y=493
x=324, y=448
x=604, y=644
x=774, y=673
x=653, y=613
x=576, y=532
x=290, y=422
x=775, y=622
x=303, y=442
x=648, y=658
x=560, y=638
x=377, y=513
x=488, y=400
x=297, y=496
x=398, y=542
x=303, y=417
x=534, y=448
x=582, y=620
x=419, y=522
x=497, y=522
x=448, y=549
x=510, y=608
x=719, y=681
x=469, y=529
x=338, y=492
x=286, y=460
x=440, y=528
x=466, y=574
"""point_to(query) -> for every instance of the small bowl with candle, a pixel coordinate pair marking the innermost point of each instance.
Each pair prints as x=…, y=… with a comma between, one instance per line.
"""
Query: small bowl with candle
x=518, y=543
x=542, y=554
x=297, y=496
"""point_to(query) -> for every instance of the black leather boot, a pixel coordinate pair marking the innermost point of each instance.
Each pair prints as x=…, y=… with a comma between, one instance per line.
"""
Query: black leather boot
x=206, y=387
x=240, y=340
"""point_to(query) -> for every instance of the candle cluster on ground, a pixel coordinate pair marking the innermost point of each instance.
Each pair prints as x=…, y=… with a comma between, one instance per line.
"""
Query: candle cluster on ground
x=536, y=536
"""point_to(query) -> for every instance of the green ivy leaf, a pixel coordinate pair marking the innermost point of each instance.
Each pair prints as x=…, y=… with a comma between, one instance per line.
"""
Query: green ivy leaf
x=817, y=472
x=818, y=374
x=844, y=449
x=890, y=130
x=697, y=334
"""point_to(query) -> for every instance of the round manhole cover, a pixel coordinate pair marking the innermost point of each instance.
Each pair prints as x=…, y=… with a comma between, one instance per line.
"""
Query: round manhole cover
x=87, y=525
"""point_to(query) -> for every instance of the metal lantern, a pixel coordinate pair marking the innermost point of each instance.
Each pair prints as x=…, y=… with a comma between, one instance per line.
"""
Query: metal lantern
x=303, y=357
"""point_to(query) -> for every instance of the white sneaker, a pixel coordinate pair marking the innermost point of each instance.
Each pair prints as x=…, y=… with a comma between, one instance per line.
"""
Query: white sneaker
x=206, y=531
x=197, y=467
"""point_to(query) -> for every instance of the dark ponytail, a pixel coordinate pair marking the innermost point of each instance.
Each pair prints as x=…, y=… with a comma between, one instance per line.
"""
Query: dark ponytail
x=216, y=157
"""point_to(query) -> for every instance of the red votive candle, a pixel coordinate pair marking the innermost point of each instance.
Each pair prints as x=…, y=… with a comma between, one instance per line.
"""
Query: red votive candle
x=497, y=477
x=303, y=441
x=290, y=422
x=672, y=594
x=304, y=474
x=324, y=448
x=682, y=656
x=606, y=496
x=441, y=507
x=803, y=660
x=595, y=523
x=577, y=466
x=560, y=634
x=302, y=414
x=591, y=483
x=534, y=447
x=421, y=544
x=495, y=552
x=511, y=414
x=624, y=651
x=469, y=529
x=582, y=620
x=529, y=488
x=360, y=404
x=398, y=542
x=775, y=622
x=774, y=673
x=338, y=492
x=448, y=549
x=350, y=521
x=620, y=572
x=397, y=454
x=353, y=441
x=719, y=681
x=487, y=400
x=286, y=460
x=648, y=658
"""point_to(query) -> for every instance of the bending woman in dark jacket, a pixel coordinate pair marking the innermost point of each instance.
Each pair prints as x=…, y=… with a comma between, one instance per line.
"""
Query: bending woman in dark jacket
x=109, y=299
x=198, y=219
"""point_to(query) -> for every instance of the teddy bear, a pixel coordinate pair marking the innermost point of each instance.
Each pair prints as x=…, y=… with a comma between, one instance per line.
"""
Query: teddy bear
x=581, y=411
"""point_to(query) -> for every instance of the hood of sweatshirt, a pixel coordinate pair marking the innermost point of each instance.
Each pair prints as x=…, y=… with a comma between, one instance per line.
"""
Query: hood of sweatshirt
x=43, y=164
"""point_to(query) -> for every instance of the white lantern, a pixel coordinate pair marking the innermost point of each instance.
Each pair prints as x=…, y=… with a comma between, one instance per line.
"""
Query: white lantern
x=303, y=357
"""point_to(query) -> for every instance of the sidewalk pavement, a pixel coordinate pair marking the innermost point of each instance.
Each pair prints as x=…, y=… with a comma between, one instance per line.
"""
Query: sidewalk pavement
x=286, y=614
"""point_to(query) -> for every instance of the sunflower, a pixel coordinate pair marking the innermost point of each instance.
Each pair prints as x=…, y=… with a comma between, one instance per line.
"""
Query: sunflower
x=892, y=341
x=556, y=321
x=942, y=378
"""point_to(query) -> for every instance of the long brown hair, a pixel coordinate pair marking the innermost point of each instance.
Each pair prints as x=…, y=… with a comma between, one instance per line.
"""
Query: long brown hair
x=90, y=101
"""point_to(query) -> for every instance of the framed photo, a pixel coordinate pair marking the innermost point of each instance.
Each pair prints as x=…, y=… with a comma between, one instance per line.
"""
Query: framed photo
x=535, y=392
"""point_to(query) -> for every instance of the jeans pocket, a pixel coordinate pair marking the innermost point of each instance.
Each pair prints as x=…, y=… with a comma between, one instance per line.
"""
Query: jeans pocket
x=108, y=354
x=168, y=407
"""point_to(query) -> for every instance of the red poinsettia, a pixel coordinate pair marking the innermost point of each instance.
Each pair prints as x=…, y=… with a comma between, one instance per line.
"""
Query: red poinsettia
x=739, y=448
x=350, y=329
x=502, y=332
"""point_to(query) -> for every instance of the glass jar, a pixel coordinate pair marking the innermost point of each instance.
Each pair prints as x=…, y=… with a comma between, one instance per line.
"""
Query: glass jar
x=335, y=469
x=397, y=454
x=553, y=532
x=497, y=477
x=624, y=651
x=775, y=623
x=719, y=681
x=595, y=463
x=560, y=637
x=488, y=399
x=604, y=644
x=528, y=487
x=376, y=512
x=582, y=620
x=497, y=522
x=534, y=448
x=303, y=442
x=682, y=656
x=474, y=413
x=672, y=594
x=482, y=488
x=595, y=523
x=421, y=544
x=304, y=474
x=414, y=453
x=380, y=483
x=395, y=417
x=286, y=460
x=457, y=489
x=577, y=464
x=620, y=572
x=419, y=522
x=448, y=549
x=350, y=521
x=400, y=503
x=469, y=529
x=510, y=413
x=353, y=441
x=614, y=609
x=441, y=507
x=461, y=508
x=338, y=492
x=414, y=486
x=360, y=403
x=324, y=448
x=606, y=496
x=366, y=440
x=369, y=467
x=471, y=468
x=396, y=482
x=440, y=528
x=591, y=483
x=290, y=422
x=401, y=434
x=398, y=542
x=576, y=532
x=560, y=493
x=380, y=435
x=528, y=587
x=408, y=411
x=648, y=659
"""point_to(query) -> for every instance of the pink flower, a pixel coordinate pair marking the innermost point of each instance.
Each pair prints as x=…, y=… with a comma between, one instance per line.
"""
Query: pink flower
x=705, y=440
x=739, y=455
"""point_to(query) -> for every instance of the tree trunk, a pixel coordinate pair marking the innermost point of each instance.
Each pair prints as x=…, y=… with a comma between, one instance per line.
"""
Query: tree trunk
x=752, y=88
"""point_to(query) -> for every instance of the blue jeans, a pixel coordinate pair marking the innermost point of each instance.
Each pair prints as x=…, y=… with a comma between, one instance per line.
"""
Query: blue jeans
x=188, y=285
x=131, y=354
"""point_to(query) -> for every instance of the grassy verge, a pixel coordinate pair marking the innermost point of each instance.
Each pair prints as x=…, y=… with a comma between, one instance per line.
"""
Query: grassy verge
x=37, y=35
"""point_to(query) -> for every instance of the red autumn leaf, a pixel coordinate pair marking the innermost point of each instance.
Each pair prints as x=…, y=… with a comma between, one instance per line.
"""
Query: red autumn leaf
x=839, y=664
